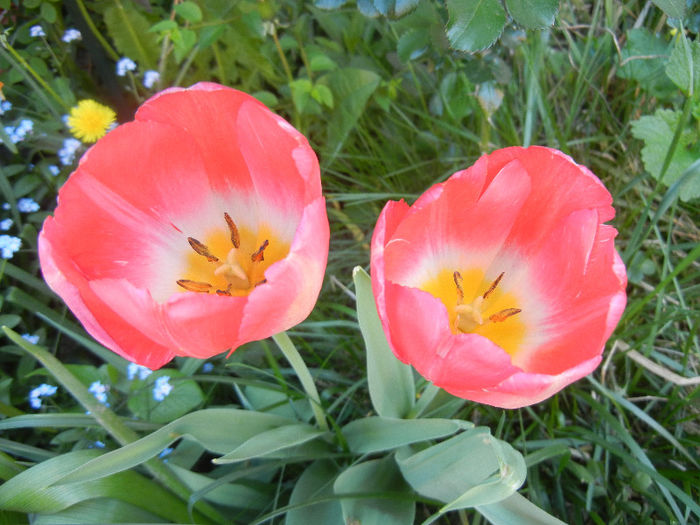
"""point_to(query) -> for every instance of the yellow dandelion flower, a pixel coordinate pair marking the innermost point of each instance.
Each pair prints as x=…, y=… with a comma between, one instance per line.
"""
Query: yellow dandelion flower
x=90, y=120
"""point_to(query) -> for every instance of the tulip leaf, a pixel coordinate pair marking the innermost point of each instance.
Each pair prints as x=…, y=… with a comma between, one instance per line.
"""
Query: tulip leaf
x=474, y=24
x=375, y=434
x=316, y=482
x=391, y=385
x=517, y=509
x=35, y=489
x=470, y=469
x=271, y=441
x=380, y=475
x=352, y=88
x=219, y=430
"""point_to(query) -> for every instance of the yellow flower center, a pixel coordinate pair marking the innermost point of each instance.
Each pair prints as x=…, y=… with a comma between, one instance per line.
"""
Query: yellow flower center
x=90, y=120
x=231, y=261
x=473, y=307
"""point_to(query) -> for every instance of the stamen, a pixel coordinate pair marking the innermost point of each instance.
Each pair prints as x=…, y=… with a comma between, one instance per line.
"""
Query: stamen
x=194, y=286
x=458, y=283
x=261, y=282
x=258, y=255
x=493, y=286
x=227, y=291
x=501, y=316
x=202, y=249
x=235, y=237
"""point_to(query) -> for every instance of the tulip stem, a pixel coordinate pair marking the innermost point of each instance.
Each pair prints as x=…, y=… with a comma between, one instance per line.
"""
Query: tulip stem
x=292, y=354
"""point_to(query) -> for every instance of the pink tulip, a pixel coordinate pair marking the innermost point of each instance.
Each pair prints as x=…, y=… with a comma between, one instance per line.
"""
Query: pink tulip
x=502, y=284
x=194, y=229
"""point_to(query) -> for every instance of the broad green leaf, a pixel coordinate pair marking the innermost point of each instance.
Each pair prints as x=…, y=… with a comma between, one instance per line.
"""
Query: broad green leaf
x=301, y=93
x=533, y=14
x=226, y=494
x=34, y=490
x=62, y=420
x=683, y=68
x=516, y=509
x=219, y=430
x=413, y=43
x=321, y=62
x=375, y=434
x=657, y=132
x=322, y=95
x=470, y=469
x=455, y=93
x=352, y=89
x=189, y=11
x=391, y=385
x=673, y=8
x=377, y=475
x=315, y=482
x=271, y=441
x=129, y=30
x=643, y=59
x=48, y=12
x=474, y=24
x=101, y=510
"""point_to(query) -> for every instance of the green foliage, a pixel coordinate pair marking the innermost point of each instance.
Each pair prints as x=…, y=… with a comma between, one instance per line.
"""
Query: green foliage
x=475, y=25
x=129, y=30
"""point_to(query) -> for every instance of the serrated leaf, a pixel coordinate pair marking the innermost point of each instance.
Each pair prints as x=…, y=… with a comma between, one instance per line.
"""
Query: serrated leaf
x=683, y=68
x=376, y=434
x=377, y=475
x=657, y=133
x=533, y=14
x=474, y=25
x=129, y=31
x=673, y=8
x=189, y=11
x=643, y=59
x=391, y=385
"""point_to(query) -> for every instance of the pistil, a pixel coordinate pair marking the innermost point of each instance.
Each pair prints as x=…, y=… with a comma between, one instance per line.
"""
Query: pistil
x=470, y=316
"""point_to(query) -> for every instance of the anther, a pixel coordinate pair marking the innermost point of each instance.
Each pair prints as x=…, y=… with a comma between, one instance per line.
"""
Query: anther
x=458, y=283
x=194, y=286
x=235, y=237
x=493, y=286
x=261, y=282
x=501, y=316
x=258, y=255
x=202, y=249
x=227, y=291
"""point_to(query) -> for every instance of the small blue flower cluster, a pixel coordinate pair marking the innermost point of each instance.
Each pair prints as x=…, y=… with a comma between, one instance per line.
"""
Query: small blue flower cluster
x=5, y=106
x=27, y=205
x=9, y=244
x=162, y=388
x=133, y=370
x=36, y=31
x=124, y=65
x=99, y=390
x=67, y=153
x=19, y=133
x=43, y=390
x=71, y=35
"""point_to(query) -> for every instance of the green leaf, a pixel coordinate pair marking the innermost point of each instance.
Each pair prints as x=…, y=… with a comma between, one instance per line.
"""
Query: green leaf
x=454, y=93
x=657, y=132
x=130, y=31
x=315, y=482
x=470, y=469
x=270, y=441
x=516, y=509
x=673, y=8
x=474, y=24
x=683, y=68
x=533, y=14
x=185, y=396
x=378, y=475
x=34, y=490
x=321, y=62
x=301, y=93
x=412, y=44
x=376, y=434
x=189, y=11
x=163, y=26
x=391, y=385
x=352, y=88
x=48, y=12
x=219, y=430
x=643, y=59
x=322, y=95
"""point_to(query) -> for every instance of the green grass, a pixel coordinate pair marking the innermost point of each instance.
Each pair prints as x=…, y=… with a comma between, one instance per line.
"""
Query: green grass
x=620, y=447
